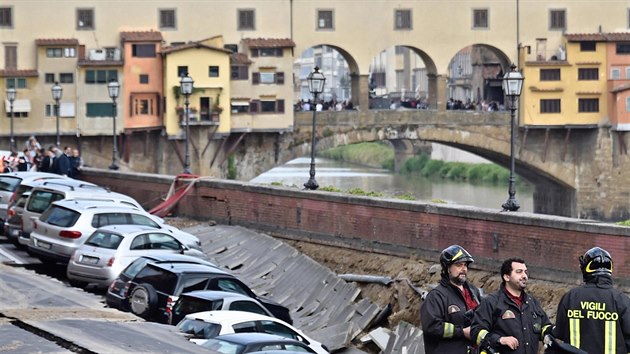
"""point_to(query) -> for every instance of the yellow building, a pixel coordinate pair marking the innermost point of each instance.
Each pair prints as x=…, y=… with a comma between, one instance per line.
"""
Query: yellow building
x=568, y=89
x=208, y=64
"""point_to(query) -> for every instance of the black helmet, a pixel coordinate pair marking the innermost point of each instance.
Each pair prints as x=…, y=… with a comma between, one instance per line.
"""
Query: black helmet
x=454, y=254
x=596, y=261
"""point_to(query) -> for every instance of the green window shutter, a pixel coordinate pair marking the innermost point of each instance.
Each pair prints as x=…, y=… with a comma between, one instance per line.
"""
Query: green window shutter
x=96, y=110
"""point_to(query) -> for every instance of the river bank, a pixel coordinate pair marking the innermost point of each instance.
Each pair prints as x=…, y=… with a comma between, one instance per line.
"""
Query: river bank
x=381, y=155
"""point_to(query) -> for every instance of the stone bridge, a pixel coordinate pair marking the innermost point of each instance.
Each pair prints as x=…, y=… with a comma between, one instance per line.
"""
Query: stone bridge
x=576, y=172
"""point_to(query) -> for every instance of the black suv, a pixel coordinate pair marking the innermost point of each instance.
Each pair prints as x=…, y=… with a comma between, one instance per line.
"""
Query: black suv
x=149, y=289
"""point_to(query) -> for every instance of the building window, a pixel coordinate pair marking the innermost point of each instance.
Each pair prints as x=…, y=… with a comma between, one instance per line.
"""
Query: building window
x=85, y=19
x=239, y=72
x=94, y=110
x=246, y=20
x=557, y=20
x=623, y=48
x=16, y=82
x=615, y=73
x=167, y=19
x=182, y=71
x=213, y=71
x=268, y=78
x=49, y=78
x=6, y=17
x=143, y=50
x=142, y=107
x=100, y=76
x=549, y=74
x=480, y=18
x=10, y=56
x=324, y=19
x=54, y=52
x=66, y=78
x=627, y=104
x=276, y=106
x=588, y=105
x=144, y=79
x=627, y=72
x=588, y=46
x=402, y=19
x=588, y=74
x=550, y=106
x=267, y=52
x=69, y=52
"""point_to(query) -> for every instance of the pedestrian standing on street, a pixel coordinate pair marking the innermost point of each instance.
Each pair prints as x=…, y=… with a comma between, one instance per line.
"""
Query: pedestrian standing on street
x=511, y=320
x=595, y=316
x=446, y=312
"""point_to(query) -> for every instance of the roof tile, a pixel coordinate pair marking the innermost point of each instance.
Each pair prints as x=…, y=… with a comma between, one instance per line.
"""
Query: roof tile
x=141, y=36
x=57, y=41
x=19, y=73
x=269, y=42
x=598, y=37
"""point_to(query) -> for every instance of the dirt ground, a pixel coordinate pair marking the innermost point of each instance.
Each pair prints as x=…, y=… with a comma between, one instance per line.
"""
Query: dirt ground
x=404, y=301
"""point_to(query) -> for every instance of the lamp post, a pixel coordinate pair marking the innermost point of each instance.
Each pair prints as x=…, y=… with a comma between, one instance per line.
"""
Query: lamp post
x=316, y=82
x=512, y=86
x=57, y=92
x=186, y=87
x=11, y=98
x=113, y=88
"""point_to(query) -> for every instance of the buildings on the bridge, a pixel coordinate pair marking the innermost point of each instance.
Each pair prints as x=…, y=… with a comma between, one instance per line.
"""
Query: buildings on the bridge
x=242, y=56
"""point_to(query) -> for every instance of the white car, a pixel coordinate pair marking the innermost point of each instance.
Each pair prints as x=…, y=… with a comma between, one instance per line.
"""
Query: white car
x=66, y=224
x=202, y=326
x=112, y=248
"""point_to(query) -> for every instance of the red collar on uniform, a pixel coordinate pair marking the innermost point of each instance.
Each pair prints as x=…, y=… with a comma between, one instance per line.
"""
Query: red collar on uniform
x=518, y=300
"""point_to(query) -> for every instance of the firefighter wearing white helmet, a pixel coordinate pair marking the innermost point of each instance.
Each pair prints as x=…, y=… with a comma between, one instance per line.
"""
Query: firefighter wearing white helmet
x=595, y=316
x=446, y=313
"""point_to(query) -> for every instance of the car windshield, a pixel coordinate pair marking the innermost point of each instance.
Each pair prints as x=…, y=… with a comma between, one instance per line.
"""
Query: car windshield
x=199, y=329
x=40, y=200
x=223, y=346
x=9, y=183
x=60, y=216
x=104, y=240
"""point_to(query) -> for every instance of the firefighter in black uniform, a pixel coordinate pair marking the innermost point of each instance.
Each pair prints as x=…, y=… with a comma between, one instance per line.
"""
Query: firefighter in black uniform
x=595, y=316
x=511, y=320
x=446, y=312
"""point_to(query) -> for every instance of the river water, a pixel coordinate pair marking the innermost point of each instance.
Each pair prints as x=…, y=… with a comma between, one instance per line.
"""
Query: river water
x=345, y=176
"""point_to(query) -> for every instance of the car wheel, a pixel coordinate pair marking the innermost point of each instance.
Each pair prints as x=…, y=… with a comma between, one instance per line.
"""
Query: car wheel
x=143, y=300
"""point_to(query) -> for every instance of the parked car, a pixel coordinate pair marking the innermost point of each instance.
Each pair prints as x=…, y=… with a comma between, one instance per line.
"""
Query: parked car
x=243, y=343
x=212, y=300
x=66, y=224
x=154, y=289
x=120, y=285
x=13, y=225
x=9, y=183
x=51, y=191
x=112, y=248
x=202, y=326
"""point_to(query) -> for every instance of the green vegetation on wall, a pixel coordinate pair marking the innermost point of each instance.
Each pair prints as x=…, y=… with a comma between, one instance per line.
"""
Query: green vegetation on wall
x=231, y=167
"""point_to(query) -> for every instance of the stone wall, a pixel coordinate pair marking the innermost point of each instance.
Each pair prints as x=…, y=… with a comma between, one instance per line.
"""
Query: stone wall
x=550, y=245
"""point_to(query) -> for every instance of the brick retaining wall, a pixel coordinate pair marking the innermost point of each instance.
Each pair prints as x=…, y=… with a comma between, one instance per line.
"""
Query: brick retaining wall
x=550, y=245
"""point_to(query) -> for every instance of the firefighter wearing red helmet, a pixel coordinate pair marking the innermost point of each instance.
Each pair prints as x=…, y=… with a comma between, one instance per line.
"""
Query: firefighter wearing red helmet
x=595, y=316
x=446, y=313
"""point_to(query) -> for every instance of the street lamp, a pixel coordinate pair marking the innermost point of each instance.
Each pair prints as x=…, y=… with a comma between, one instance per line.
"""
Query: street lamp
x=113, y=88
x=186, y=88
x=11, y=98
x=316, y=82
x=512, y=86
x=57, y=91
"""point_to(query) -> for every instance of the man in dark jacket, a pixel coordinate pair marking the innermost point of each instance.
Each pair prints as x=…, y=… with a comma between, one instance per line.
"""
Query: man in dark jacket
x=595, y=316
x=446, y=312
x=511, y=320
x=61, y=162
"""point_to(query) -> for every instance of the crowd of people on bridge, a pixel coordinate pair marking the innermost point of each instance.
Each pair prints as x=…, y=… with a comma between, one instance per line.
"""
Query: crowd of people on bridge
x=323, y=105
x=67, y=162
x=591, y=318
x=469, y=105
